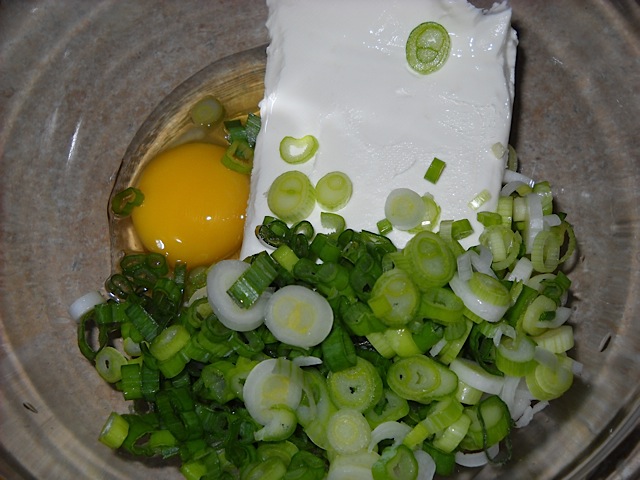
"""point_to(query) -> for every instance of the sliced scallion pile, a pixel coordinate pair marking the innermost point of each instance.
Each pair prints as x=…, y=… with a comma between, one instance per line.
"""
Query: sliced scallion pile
x=337, y=353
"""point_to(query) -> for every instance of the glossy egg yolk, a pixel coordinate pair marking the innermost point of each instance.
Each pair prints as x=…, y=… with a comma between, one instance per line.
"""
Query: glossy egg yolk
x=194, y=207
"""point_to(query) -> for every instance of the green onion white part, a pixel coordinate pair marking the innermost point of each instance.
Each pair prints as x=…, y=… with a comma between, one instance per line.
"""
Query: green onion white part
x=85, y=304
x=298, y=316
x=404, y=208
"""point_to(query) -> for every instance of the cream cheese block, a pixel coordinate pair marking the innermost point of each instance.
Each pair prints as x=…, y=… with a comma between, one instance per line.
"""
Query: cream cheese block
x=337, y=70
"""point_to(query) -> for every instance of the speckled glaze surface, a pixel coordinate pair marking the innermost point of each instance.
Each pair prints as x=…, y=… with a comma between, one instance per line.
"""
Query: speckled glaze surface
x=78, y=80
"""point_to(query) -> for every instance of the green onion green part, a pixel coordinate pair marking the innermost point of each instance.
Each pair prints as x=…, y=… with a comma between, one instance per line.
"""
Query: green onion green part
x=435, y=170
x=207, y=112
x=298, y=150
x=291, y=196
x=124, y=202
x=333, y=191
x=428, y=47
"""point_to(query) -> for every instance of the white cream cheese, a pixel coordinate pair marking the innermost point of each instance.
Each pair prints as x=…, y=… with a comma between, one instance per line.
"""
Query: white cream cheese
x=337, y=70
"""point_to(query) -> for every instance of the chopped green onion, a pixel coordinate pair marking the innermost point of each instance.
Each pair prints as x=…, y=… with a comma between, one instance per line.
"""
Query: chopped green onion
x=448, y=439
x=348, y=432
x=556, y=340
x=272, y=468
x=435, y=170
x=124, y=202
x=285, y=257
x=220, y=279
x=298, y=150
x=488, y=219
x=441, y=305
x=461, y=229
x=480, y=199
x=391, y=407
x=143, y=321
x=358, y=387
x=394, y=298
x=474, y=375
x=515, y=357
x=490, y=423
x=291, y=196
x=430, y=260
x=402, y=342
x=108, y=363
x=169, y=342
x=396, y=463
x=246, y=290
x=131, y=383
x=427, y=48
x=545, y=253
x=252, y=128
x=499, y=150
x=207, y=112
x=404, y=208
x=114, y=431
x=305, y=465
x=483, y=295
x=546, y=382
x=271, y=391
x=333, y=191
x=333, y=221
x=421, y=379
x=238, y=157
x=384, y=226
x=298, y=316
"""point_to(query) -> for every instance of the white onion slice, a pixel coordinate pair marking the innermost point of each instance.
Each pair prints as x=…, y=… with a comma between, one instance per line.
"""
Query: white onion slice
x=84, y=304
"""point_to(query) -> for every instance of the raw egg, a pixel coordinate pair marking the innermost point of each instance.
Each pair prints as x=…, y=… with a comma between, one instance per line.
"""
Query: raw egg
x=194, y=207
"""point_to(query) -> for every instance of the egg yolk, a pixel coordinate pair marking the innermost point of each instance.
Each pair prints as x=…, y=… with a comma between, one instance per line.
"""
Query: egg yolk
x=194, y=207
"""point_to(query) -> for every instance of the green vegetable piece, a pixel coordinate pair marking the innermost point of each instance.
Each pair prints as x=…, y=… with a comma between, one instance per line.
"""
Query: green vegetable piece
x=238, y=157
x=114, y=431
x=428, y=47
x=435, y=170
x=357, y=388
x=298, y=150
x=207, y=112
x=333, y=191
x=291, y=196
x=396, y=463
x=124, y=202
